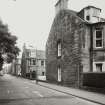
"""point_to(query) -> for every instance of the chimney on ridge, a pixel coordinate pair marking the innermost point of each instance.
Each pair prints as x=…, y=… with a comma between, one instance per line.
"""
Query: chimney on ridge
x=61, y=5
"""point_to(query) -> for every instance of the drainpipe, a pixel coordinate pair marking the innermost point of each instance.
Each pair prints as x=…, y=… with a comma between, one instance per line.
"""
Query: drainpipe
x=78, y=75
x=91, y=49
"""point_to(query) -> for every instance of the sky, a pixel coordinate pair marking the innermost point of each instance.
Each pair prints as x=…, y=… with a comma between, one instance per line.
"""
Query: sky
x=31, y=20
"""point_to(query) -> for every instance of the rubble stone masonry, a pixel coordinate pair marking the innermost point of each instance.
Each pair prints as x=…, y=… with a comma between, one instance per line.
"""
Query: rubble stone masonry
x=72, y=32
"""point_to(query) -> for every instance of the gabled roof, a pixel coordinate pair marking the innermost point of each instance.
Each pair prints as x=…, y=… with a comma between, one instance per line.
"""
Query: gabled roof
x=57, y=2
x=75, y=14
x=92, y=7
x=88, y=7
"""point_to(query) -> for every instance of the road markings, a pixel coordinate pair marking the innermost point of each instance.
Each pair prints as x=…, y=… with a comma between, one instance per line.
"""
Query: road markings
x=36, y=92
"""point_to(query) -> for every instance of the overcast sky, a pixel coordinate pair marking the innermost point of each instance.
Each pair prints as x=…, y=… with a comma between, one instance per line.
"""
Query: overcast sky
x=30, y=20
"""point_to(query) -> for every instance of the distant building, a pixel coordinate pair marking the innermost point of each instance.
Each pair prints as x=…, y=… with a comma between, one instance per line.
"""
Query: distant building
x=15, y=67
x=18, y=66
x=76, y=45
x=33, y=62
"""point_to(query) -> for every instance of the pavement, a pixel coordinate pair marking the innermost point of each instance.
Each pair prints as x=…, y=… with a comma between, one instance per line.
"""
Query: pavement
x=89, y=96
x=20, y=91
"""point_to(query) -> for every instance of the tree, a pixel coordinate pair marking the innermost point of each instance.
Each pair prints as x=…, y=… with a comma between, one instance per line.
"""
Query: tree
x=7, y=45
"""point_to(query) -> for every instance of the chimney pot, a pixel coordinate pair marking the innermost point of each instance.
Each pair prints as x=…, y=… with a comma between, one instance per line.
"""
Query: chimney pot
x=61, y=5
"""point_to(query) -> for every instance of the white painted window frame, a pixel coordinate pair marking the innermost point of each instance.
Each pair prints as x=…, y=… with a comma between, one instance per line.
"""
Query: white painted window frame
x=94, y=65
x=96, y=39
x=59, y=48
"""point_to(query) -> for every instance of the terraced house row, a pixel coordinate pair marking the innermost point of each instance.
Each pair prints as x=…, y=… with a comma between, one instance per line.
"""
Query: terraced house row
x=75, y=49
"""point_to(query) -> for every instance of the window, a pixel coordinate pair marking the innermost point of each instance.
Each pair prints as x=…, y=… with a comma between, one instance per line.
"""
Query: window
x=29, y=62
x=34, y=62
x=96, y=13
x=59, y=49
x=43, y=73
x=42, y=63
x=59, y=74
x=88, y=17
x=99, y=67
x=99, y=38
x=32, y=53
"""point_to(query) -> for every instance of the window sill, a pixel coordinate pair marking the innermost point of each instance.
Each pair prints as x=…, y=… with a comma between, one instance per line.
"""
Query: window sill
x=99, y=48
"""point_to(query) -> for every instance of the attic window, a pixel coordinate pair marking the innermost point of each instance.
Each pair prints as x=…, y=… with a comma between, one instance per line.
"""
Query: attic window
x=88, y=17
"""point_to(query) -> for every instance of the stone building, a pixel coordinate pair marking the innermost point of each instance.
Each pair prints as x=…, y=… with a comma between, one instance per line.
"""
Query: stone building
x=33, y=62
x=15, y=67
x=18, y=66
x=75, y=45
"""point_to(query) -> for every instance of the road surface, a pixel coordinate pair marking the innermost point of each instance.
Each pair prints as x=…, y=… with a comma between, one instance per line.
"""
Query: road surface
x=19, y=91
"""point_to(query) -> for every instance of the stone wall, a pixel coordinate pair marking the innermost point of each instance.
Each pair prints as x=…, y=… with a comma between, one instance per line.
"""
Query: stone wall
x=69, y=29
x=85, y=56
x=23, y=66
x=98, y=53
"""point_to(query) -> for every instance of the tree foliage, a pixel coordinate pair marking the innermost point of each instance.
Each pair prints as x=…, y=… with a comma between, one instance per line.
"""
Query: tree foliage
x=8, y=45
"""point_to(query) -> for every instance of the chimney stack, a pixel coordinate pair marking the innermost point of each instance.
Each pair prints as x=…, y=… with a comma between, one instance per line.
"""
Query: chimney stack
x=61, y=5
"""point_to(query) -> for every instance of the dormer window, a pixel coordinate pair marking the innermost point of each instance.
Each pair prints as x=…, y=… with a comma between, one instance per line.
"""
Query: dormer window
x=99, y=38
x=90, y=14
x=88, y=17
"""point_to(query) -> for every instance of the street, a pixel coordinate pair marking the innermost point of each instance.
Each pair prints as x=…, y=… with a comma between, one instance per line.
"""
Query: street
x=19, y=91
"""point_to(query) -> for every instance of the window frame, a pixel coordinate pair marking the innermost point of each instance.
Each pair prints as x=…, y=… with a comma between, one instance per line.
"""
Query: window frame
x=101, y=67
x=88, y=17
x=59, y=48
x=42, y=63
x=59, y=70
x=98, y=39
x=33, y=61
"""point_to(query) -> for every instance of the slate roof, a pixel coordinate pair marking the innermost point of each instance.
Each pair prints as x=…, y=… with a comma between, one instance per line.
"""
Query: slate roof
x=39, y=54
x=90, y=6
x=75, y=13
